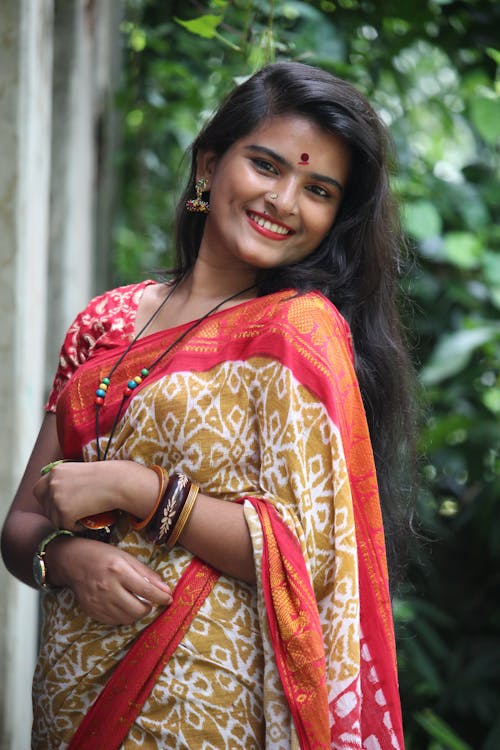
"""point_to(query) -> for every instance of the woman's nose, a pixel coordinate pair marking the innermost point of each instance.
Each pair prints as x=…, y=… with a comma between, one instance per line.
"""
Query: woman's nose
x=284, y=196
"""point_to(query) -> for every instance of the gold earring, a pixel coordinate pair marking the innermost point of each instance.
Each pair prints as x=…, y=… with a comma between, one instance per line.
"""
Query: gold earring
x=198, y=205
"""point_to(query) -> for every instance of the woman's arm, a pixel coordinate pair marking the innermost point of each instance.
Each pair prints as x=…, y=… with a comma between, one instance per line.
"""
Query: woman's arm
x=106, y=580
x=25, y=525
x=216, y=530
x=218, y=533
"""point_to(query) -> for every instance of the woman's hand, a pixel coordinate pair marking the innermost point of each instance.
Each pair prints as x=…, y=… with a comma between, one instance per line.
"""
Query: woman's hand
x=74, y=490
x=106, y=580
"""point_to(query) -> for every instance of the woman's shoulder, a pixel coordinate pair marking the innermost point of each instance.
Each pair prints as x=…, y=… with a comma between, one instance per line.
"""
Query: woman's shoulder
x=121, y=300
x=111, y=313
x=308, y=311
x=113, y=310
x=289, y=322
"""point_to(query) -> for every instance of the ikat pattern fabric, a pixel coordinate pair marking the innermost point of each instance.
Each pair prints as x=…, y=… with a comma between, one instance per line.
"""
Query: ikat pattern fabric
x=240, y=421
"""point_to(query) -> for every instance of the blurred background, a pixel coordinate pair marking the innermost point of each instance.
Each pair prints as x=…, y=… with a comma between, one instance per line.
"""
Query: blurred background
x=430, y=68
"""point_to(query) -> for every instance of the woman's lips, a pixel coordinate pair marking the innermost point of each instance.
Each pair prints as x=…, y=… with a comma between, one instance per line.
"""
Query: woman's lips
x=268, y=226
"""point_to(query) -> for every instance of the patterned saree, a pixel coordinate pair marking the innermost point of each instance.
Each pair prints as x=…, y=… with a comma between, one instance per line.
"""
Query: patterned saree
x=259, y=404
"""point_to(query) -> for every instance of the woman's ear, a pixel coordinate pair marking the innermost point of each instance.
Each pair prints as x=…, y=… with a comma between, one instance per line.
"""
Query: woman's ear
x=205, y=166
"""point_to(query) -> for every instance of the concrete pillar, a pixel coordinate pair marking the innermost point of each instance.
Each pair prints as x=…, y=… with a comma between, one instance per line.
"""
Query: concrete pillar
x=59, y=62
x=25, y=149
x=86, y=71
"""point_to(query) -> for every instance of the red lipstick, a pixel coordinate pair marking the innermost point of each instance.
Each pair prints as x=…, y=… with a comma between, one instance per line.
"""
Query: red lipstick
x=268, y=226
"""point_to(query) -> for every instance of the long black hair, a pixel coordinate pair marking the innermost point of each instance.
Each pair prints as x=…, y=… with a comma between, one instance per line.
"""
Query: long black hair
x=357, y=265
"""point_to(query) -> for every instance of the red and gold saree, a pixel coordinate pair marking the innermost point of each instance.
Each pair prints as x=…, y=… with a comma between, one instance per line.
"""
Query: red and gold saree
x=260, y=405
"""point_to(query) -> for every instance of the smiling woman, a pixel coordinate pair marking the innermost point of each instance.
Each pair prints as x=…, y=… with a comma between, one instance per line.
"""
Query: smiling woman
x=250, y=230
x=235, y=592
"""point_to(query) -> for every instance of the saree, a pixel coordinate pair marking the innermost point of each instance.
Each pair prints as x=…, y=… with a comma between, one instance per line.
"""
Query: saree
x=259, y=404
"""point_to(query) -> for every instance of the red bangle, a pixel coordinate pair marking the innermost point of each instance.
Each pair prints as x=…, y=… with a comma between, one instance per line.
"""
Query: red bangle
x=162, y=475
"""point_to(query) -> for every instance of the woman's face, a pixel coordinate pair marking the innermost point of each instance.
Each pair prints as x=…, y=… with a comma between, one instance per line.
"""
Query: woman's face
x=289, y=157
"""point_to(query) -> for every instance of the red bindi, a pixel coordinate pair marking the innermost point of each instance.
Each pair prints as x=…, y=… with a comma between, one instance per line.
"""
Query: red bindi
x=304, y=158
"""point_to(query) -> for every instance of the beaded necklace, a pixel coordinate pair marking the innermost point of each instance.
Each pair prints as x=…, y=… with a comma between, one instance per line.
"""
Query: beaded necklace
x=132, y=384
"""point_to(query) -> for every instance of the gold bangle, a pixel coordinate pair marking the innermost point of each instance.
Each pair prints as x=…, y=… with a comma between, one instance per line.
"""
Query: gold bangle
x=184, y=516
x=162, y=475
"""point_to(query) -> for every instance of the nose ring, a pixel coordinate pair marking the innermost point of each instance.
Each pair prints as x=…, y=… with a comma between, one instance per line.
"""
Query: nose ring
x=273, y=196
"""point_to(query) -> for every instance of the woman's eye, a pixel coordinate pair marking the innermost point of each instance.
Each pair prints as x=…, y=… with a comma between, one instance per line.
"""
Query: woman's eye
x=319, y=191
x=264, y=166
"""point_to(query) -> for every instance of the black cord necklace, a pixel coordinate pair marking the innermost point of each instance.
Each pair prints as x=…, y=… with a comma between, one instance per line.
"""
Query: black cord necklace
x=133, y=383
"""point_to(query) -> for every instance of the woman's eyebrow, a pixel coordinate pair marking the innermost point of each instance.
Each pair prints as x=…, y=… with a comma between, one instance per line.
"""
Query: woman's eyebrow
x=281, y=160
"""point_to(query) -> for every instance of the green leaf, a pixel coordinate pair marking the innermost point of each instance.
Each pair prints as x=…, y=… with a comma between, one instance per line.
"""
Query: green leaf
x=494, y=54
x=137, y=39
x=485, y=114
x=422, y=220
x=439, y=730
x=491, y=399
x=491, y=265
x=454, y=350
x=463, y=249
x=205, y=26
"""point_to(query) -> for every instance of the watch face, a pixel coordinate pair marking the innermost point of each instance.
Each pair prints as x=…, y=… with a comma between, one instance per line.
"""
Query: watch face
x=39, y=571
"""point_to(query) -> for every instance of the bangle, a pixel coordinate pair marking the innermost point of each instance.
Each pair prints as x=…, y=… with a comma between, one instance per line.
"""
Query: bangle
x=168, y=513
x=160, y=527
x=162, y=475
x=183, y=516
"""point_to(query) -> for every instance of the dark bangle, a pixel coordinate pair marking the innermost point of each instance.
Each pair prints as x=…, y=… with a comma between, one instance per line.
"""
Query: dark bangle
x=169, y=512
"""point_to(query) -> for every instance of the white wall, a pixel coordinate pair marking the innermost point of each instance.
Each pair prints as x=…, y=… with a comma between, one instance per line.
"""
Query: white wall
x=59, y=60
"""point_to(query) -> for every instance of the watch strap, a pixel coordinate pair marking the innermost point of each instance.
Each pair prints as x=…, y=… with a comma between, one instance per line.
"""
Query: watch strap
x=39, y=564
x=50, y=538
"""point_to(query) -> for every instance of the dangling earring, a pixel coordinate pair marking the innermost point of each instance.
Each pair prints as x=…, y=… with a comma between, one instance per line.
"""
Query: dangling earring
x=198, y=205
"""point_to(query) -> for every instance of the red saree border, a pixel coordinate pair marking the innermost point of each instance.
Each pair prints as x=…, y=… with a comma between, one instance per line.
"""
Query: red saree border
x=107, y=722
x=295, y=629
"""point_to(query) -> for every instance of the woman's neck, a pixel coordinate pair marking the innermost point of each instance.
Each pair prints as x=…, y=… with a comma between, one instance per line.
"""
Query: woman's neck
x=206, y=283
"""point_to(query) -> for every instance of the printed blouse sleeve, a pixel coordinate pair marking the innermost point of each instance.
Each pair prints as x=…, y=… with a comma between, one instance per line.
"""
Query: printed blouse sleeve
x=78, y=342
x=109, y=314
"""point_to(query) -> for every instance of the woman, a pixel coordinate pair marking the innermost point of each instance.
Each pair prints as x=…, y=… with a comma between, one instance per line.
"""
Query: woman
x=242, y=601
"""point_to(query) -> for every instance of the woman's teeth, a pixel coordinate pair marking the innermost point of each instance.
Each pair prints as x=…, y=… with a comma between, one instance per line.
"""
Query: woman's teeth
x=269, y=225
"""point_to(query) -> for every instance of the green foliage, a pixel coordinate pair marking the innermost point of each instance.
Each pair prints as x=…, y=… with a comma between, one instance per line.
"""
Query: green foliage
x=430, y=68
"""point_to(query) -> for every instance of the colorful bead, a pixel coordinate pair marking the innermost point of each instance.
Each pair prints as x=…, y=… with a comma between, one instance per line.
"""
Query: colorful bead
x=138, y=379
x=103, y=386
x=106, y=381
x=144, y=372
x=99, y=400
x=100, y=393
x=131, y=384
x=127, y=392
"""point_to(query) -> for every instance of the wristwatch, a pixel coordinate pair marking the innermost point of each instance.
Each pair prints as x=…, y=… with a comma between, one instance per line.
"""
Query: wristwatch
x=39, y=566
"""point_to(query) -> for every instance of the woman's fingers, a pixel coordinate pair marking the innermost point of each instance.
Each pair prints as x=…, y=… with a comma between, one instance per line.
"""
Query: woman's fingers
x=69, y=491
x=107, y=581
x=154, y=592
